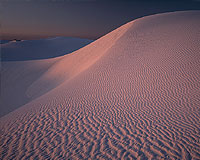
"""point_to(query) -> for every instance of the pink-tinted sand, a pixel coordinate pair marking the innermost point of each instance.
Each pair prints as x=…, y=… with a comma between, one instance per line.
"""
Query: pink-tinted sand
x=134, y=93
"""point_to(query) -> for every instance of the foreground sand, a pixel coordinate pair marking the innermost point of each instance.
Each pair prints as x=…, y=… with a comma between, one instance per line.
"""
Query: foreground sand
x=133, y=94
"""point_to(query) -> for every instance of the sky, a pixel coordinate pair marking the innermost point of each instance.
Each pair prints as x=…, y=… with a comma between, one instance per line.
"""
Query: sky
x=91, y=19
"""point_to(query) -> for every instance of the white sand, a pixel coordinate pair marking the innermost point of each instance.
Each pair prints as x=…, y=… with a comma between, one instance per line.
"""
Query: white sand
x=17, y=76
x=134, y=93
x=41, y=48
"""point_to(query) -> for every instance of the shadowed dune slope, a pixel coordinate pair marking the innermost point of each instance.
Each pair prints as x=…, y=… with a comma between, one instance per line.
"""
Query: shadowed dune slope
x=40, y=49
x=17, y=76
x=134, y=93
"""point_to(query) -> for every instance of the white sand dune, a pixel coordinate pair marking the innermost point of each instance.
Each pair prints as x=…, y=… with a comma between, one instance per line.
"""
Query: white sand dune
x=132, y=94
x=41, y=48
x=17, y=76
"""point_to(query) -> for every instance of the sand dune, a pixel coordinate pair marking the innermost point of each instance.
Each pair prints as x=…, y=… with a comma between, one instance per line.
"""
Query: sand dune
x=40, y=49
x=4, y=41
x=132, y=94
x=18, y=76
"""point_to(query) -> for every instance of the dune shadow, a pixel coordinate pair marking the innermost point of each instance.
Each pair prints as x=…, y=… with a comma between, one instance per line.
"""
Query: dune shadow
x=40, y=49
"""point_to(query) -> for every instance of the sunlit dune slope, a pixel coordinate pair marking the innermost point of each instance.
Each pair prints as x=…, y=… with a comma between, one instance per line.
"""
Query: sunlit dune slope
x=134, y=93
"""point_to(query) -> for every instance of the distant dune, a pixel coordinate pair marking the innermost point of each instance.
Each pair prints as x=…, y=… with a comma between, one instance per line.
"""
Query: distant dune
x=132, y=94
x=40, y=49
x=4, y=41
